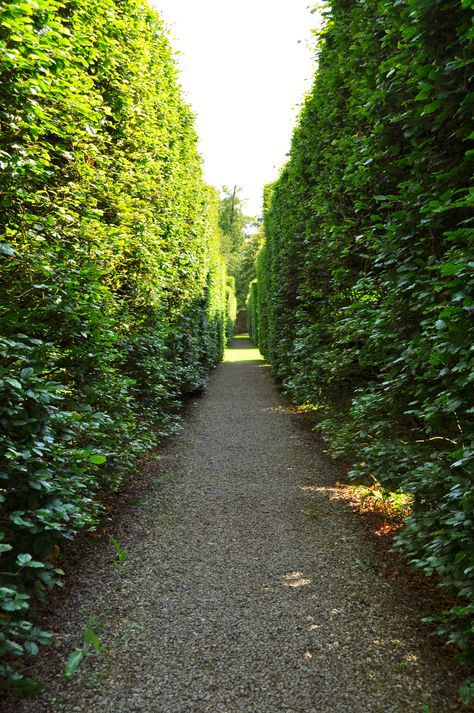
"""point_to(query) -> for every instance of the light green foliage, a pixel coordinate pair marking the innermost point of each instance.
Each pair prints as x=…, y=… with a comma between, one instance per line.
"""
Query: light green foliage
x=121, y=553
x=365, y=299
x=232, y=221
x=238, y=246
x=91, y=644
x=112, y=282
x=231, y=307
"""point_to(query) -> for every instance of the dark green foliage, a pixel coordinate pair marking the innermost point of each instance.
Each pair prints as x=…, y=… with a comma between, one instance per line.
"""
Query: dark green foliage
x=112, y=284
x=365, y=300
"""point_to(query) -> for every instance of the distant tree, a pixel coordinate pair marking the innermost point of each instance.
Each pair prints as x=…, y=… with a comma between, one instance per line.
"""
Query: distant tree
x=237, y=243
x=232, y=219
x=247, y=265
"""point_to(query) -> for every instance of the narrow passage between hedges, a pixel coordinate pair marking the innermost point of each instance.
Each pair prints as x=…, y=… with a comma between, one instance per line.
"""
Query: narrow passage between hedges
x=250, y=590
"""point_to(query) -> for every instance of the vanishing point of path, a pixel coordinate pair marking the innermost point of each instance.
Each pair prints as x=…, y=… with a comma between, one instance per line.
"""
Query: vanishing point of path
x=248, y=587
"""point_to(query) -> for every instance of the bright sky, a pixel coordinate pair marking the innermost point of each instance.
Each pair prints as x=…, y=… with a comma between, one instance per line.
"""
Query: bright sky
x=245, y=67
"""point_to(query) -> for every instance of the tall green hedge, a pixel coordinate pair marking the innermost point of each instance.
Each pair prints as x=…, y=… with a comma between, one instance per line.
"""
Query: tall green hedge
x=253, y=312
x=365, y=300
x=231, y=307
x=112, y=284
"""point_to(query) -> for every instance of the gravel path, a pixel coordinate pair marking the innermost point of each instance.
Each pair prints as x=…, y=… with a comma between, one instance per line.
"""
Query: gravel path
x=249, y=588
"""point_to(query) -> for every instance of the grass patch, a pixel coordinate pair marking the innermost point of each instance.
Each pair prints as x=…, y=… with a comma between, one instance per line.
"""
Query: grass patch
x=240, y=355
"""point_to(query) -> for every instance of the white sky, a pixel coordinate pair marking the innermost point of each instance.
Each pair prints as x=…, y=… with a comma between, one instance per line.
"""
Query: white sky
x=245, y=67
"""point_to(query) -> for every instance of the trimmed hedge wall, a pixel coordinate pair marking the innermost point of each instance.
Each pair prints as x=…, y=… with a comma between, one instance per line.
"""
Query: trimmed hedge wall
x=365, y=299
x=252, y=311
x=112, y=284
x=231, y=307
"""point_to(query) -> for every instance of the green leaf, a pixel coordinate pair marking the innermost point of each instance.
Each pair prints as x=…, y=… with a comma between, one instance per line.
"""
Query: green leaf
x=31, y=647
x=432, y=107
x=466, y=691
x=6, y=249
x=13, y=382
x=91, y=637
x=73, y=662
x=25, y=687
x=97, y=459
x=23, y=559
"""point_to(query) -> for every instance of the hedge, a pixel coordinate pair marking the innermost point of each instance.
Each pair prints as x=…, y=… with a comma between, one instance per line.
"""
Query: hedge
x=252, y=311
x=365, y=300
x=231, y=307
x=112, y=284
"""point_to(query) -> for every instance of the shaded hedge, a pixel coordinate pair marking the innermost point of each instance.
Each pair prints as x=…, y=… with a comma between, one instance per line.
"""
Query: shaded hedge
x=112, y=284
x=365, y=300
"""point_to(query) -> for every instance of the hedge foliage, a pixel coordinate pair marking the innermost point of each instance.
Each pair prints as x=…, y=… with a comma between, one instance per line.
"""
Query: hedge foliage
x=112, y=283
x=231, y=307
x=365, y=303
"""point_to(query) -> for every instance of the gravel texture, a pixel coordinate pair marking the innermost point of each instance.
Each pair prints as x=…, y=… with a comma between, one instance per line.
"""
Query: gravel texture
x=249, y=588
